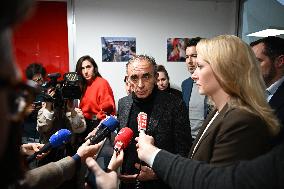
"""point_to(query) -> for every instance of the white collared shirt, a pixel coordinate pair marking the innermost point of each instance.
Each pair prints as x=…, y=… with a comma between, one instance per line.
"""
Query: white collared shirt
x=273, y=88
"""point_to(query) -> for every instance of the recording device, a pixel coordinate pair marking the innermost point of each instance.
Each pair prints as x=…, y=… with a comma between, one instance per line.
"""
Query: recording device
x=57, y=139
x=68, y=88
x=107, y=126
x=142, y=122
x=122, y=139
x=142, y=127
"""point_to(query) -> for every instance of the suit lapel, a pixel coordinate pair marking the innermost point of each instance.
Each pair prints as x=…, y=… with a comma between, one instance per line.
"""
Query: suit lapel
x=211, y=128
x=155, y=115
x=126, y=111
x=205, y=123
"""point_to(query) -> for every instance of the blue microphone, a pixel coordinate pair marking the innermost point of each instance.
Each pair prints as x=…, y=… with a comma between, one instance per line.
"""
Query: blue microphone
x=107, y=126
x=57, y=139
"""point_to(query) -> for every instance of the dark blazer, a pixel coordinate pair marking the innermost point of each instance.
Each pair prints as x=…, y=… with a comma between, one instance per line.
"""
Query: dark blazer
x=234, y=135
x=277, y=104
x=168, y=124
x=186, y=87
x=264, y=172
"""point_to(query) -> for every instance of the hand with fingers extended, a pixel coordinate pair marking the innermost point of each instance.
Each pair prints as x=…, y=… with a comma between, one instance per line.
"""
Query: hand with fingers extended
x=103, y=180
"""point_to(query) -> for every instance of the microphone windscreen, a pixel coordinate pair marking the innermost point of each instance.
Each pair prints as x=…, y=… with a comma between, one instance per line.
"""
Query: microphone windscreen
x=124, y=136
x=142, y=121
x=60, y=137
x=110, y=122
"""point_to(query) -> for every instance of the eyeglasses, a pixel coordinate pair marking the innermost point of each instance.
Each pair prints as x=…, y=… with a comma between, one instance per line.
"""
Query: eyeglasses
x=145, y=78
x=20, y=96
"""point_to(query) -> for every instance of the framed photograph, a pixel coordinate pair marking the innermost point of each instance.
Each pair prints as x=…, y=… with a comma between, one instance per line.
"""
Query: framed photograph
x=176, y=49
x=118, y=49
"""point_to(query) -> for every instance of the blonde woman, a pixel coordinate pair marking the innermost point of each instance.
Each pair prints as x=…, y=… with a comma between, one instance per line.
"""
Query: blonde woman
x=242, y=125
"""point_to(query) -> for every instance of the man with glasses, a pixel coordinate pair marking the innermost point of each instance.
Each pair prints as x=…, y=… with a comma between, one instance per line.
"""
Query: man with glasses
x=167, y=122
x=270, y=53
x=34, y=72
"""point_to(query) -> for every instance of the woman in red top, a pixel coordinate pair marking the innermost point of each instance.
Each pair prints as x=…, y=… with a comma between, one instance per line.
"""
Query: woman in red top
x=97, y=99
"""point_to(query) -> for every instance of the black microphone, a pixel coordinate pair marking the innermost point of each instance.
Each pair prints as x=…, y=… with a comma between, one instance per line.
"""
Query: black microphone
x=107, y=126
x=57, y=139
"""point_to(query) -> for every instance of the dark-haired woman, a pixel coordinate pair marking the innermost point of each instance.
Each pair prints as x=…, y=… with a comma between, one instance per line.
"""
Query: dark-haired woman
x=97, y=99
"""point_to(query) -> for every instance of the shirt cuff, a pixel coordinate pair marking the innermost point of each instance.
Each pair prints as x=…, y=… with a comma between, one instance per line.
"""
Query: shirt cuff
x=77, y=159
x=151, y=161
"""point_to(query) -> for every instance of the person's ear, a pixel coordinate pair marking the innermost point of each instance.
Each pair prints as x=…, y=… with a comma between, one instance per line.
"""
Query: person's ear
x=280, y=61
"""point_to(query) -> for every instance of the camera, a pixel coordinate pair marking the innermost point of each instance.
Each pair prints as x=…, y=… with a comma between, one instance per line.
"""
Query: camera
x=66, y=89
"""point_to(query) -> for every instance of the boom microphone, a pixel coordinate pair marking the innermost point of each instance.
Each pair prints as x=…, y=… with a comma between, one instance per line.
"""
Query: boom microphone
x=57, y=139
x=122, y=139
x=107, y=126
x=142, y=122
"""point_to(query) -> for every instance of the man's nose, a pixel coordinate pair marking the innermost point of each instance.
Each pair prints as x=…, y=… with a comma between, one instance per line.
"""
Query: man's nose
x=140, y=83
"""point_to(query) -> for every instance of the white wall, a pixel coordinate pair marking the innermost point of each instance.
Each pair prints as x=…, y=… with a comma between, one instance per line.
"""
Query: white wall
x=151, y=22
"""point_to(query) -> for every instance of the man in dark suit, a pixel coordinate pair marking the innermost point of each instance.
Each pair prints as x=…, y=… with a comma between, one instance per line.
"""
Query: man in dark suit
x=195, y=103
x=270, y=53
x=167, y=121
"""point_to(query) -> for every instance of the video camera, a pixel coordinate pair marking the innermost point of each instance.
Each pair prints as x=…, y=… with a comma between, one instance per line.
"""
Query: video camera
x=66, y=89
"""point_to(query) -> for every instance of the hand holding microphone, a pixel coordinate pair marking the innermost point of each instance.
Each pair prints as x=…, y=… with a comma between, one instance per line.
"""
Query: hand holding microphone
x=121, y=142
x=57, y=139
x=142, y=122
x=107, y=126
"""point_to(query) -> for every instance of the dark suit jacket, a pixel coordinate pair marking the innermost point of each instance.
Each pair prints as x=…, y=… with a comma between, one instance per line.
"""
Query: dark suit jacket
x=264, y=172
x=234, y=135
x=168, y=124
x=277, y=103
x=186, y=87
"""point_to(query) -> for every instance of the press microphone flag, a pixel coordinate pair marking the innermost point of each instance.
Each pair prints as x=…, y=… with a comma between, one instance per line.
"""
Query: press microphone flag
x=142, y=122
x=57, y=139
x=108, y=125
x=122, y=139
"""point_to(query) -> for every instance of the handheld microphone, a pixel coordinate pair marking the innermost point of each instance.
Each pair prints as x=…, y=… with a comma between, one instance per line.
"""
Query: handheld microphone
x=142, y=122
x=57, y=139
x=122, y=139
x=107, y=126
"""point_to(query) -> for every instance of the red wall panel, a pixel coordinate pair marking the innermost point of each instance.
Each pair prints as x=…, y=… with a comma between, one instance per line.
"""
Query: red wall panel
x=43, y=38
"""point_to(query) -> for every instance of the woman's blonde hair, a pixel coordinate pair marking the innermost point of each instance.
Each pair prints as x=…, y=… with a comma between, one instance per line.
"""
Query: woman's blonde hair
x=237, y=71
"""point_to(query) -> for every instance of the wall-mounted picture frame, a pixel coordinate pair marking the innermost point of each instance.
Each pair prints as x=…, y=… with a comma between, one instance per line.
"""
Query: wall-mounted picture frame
x=176, y=49
x=118, y=49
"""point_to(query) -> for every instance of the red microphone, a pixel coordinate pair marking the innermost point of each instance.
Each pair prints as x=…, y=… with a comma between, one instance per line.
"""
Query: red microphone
x=123, y=138
x=142, y=122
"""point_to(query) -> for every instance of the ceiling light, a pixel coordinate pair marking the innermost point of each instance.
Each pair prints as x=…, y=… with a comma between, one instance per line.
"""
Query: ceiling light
x=267, y=32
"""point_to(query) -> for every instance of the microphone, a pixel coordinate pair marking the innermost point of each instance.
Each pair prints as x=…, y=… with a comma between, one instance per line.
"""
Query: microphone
x=142, y=122
x=57, y=139
x=122, y=139
x=107, y=126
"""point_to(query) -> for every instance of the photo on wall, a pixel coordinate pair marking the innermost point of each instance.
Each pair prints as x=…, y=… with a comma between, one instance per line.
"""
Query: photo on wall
x=176, y=49
x=118, y=49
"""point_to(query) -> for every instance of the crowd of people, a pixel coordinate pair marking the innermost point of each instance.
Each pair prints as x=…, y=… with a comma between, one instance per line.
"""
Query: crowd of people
x=224, y=130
